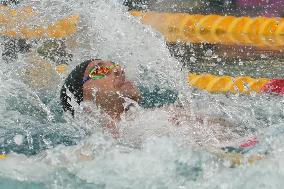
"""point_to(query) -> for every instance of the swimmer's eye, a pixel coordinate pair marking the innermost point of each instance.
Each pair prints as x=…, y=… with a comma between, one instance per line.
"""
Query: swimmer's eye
x=98, y=72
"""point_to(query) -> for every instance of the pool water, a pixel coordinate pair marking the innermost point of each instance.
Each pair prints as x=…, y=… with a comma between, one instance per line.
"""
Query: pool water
x=46, y=147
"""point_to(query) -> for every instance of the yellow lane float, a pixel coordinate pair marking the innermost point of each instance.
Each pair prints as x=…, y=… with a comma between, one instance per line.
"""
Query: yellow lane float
x=234, y=158
x=241, y=84
x=260, y=31
x=217, y=29
x=3, y=156
x=14, y=23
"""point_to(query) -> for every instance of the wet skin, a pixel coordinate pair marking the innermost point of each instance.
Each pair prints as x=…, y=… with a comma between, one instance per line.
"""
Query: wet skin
x=110, y=90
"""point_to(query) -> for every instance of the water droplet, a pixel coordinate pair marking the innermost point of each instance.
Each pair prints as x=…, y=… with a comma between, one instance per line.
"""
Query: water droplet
x=18, y=139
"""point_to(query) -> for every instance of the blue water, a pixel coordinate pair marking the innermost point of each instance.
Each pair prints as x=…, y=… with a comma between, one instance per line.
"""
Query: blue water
x=44, y=144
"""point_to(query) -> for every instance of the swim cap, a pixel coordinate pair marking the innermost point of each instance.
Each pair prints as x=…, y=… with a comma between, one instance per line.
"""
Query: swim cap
x=74, y=84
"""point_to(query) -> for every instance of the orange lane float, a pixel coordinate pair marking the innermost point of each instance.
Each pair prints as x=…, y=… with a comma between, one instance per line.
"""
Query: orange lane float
x=241, y=84
x=14, y=23
x=216, y=29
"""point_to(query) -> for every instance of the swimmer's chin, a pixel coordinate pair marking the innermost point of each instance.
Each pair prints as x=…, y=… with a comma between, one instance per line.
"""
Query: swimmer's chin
x=128, y=89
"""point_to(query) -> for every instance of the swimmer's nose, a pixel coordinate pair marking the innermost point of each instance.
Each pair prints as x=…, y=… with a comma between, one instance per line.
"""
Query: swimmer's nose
x=119, y=72
x=119, y=77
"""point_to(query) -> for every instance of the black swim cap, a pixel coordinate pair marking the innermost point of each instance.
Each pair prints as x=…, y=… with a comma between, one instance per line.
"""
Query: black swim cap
x=74, y=84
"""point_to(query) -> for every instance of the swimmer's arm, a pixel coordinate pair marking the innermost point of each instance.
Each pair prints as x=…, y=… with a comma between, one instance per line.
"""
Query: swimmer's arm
x=218, y=120
x=179, y=114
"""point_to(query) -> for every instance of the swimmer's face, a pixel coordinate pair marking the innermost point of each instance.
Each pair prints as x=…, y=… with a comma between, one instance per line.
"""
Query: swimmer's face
x=111, y=89
x=111, y=82
x=114, y=82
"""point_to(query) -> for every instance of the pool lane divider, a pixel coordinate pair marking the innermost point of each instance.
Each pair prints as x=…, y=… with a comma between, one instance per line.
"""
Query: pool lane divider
x=15, y=23
x=240, y=84
x=261, y=32
x=235, y=158
x=3, y=156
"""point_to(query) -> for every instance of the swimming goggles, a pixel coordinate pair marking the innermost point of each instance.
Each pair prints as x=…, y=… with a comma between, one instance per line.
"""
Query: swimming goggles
x=99, y=72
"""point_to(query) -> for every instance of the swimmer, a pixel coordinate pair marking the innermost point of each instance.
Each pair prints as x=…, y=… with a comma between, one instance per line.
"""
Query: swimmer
x=113, y=89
